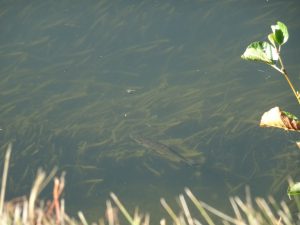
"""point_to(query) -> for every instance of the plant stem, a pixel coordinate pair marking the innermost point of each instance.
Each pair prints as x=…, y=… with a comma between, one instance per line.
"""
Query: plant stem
x=285, y=74
x=291, y=85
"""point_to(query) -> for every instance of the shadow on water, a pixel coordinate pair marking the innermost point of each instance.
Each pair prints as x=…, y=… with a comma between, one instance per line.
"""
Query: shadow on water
x=78, y=81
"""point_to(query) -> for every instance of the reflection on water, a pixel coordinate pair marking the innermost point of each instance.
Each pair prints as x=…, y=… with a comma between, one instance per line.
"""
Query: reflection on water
x=78, y=80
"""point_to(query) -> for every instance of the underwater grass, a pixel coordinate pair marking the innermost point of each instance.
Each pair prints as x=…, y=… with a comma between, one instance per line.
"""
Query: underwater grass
x=64, y=93
x=32, y=211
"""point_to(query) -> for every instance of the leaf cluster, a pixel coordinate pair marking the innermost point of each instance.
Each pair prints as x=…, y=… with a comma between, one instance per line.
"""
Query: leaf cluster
x=268, y=52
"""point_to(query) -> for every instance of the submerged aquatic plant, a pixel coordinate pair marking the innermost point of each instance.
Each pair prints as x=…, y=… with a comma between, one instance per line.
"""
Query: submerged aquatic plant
x=269, y=53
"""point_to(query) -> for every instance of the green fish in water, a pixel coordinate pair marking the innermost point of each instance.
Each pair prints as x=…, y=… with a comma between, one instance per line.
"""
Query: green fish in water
x=161, y=149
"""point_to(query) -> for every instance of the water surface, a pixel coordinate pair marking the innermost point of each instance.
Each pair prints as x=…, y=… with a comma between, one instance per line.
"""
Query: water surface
x=79, y=78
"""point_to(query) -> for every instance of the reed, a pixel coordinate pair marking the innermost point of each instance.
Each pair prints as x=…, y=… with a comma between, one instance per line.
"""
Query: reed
x=29, y=210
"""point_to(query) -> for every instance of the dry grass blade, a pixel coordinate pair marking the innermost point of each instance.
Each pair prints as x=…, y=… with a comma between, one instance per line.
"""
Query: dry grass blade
x=137, y=218
x=40, y=215
x=265, y=209
x=162, y=221
x=248, y=198
x=4, y=178
x=186, y=210
x=286, y=214
x=146, y=220
x=226, y=222
x=170, y=211
x=110, y=215
x=122, y=208
x=17, y=215
x=25, y=213
x=82, y=218
x=49, y=178
x=197, y=222
x=248, y=210
x=279, y=221
x=286, y=209
x=285, y=218
x=273, y=203
x=220, y=214
x=236, y=209
x=62, y=212
x=35, y=192
x=199, y=206
x=202, y=206
x=182, y=219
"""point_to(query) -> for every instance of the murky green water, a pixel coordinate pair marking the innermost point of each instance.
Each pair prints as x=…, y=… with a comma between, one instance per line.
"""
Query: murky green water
x=80, y=79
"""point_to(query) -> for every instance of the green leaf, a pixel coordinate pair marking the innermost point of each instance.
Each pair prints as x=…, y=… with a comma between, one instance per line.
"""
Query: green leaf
x=290, y=115
x=280, y=33
x=294, y=190
x=271, y=38
x=261, y=51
